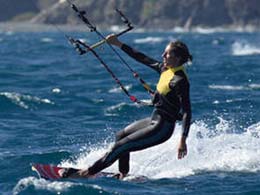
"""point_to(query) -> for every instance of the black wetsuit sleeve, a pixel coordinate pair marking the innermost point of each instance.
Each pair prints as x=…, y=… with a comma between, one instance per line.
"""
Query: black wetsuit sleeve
x=142, y=58
x=184, y=95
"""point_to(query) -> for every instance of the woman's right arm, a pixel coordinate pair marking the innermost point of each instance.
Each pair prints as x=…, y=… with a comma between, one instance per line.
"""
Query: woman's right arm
x=138, y=56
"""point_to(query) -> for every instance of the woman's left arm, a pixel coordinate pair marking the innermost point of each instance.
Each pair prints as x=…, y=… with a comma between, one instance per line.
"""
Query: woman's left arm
x=184, y=94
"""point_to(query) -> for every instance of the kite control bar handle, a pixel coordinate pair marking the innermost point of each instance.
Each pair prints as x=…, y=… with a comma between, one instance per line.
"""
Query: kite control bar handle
x=104, y=40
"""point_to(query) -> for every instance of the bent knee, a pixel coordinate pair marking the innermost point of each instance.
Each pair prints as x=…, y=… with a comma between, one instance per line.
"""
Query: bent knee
x=120, y=135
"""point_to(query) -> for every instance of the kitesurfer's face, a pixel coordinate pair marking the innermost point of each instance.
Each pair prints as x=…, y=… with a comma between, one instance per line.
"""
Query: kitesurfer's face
x=168, y=57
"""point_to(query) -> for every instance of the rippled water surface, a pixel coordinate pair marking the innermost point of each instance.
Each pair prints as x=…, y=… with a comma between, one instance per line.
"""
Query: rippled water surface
x=60, y=108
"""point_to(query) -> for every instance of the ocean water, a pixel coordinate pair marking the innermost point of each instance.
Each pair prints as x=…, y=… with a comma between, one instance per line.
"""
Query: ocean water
x=60, y=108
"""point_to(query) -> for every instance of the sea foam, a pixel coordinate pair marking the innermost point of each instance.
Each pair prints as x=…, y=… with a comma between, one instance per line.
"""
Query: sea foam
x=41, y=184
x=23, y=101
x=208, y=150
x=242, y=48
x=149, y=40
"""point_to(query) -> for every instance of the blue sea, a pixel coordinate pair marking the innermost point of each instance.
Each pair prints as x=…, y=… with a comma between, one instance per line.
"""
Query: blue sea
x=57, y=107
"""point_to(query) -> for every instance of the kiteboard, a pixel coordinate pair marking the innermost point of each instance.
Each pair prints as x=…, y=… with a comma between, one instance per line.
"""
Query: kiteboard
x=51, y=172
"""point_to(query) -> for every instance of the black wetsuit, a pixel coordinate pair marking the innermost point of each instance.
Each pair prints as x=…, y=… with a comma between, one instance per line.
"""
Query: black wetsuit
x=171, y=98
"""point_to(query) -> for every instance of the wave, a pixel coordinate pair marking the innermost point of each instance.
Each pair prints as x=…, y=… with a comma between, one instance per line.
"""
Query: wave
x=116, y=109
x=228, y=101
x=41, y=184
x=47, y=40
x=119, y=90
x=9, y=33
x=242, y=48
x=254, y=86
x=227, y=87
x=25, y=186
x=116, y=28
x=24, y=101
x=56, y=90
x=209, y=30
x=219, y=149
x=196, y=29
x=202, y=30
x=113, y=110
x=149, y=40
x=254, y=130
x=83, y=40
x=205, y=30
x=235, y=87
x=154, y=40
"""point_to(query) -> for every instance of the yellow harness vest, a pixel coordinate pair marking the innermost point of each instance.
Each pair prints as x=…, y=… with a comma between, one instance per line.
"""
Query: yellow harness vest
x=165, y=78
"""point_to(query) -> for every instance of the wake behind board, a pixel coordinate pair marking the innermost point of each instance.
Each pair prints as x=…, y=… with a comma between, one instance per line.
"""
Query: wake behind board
x=51, y=172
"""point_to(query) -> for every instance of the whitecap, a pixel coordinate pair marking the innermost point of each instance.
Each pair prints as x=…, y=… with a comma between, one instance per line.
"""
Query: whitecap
x=83, y=40
x=227, y=87
x=216, y=102
x=254, y=86
x=179, y=29
x=149, y=40
x=227, y=101
x=116, y=107
x=21, y=100
x=119, y=90
x=98, y=100
x=235, y=88
x=47, y=40
x=112, y=110
x=41, y=184
x=9, y=33
x=243, y=48
x=47, y=101
x=208, y=30
x=254, y=130
x=116, y=28
x=204, y=30
x=56, y=90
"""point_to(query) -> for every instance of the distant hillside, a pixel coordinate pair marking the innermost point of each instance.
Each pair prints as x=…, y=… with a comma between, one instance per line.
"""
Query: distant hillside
x=143, y=13
x=22, y=9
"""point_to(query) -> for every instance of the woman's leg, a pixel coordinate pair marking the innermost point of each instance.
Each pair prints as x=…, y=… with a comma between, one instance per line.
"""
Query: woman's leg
x=123, y=158
x=155, y=132
x=123, y=161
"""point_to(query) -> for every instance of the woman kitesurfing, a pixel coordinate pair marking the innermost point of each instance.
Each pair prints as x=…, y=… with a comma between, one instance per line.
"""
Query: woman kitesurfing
x=171, y=102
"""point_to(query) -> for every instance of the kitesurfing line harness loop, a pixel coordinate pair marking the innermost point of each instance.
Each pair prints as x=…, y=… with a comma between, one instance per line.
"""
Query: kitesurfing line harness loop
x=81, y=15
